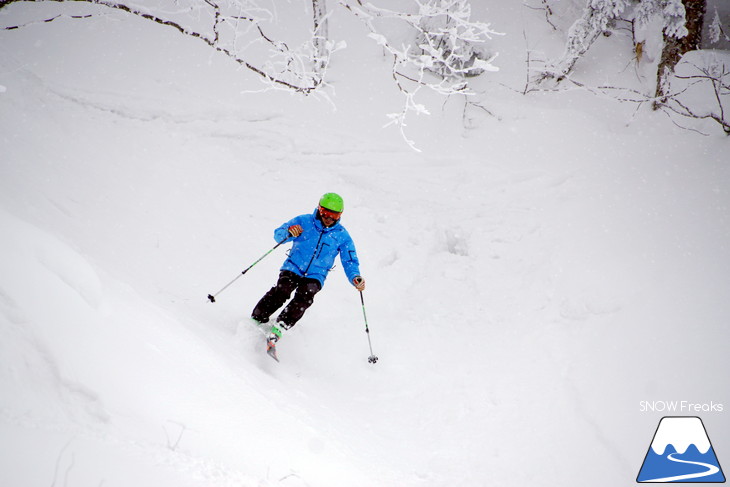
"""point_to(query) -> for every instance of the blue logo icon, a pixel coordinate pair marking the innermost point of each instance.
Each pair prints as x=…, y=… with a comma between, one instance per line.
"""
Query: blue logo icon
x=681, y=452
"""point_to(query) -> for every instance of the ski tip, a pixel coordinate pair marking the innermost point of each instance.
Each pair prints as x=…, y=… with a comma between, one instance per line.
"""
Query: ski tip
x=271, y=351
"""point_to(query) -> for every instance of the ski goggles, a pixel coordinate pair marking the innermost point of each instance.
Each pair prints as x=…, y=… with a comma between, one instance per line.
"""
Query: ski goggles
x=335, y=215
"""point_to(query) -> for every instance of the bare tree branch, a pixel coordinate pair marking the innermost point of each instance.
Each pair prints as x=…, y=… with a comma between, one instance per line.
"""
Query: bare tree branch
x=309, y=83
x=548, y=12
x=46, y=21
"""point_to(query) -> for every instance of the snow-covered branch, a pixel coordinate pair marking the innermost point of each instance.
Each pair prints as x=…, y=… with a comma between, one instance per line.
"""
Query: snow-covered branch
x=717, y=75
x=689, y=99
x=444, y=47
x=435, y=45
x=228, y=30
x=598, y=16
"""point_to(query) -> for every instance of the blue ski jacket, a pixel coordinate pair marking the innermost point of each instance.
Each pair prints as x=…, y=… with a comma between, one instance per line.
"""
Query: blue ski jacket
x=314, y=251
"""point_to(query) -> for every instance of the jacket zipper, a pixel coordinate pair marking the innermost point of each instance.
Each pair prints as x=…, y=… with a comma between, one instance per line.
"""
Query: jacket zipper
x=314, y=253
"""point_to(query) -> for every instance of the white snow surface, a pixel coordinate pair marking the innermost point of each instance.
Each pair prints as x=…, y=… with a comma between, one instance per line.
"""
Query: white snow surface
x=531, y=276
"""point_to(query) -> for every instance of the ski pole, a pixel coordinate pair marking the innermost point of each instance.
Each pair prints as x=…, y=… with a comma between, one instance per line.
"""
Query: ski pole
x=372, y=358
x=212, y=297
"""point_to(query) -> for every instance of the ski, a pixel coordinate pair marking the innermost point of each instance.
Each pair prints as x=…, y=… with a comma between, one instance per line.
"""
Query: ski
x=271, y=350
x=265, y=330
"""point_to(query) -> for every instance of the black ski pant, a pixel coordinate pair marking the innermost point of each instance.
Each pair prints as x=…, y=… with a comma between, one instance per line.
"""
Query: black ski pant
x=275, y=298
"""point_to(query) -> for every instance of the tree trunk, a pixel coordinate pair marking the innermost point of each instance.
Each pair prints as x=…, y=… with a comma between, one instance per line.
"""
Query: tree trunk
x=675, y=48
x=319, y=39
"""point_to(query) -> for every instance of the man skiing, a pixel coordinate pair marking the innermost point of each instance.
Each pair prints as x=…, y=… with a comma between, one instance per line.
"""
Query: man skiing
x=318, y=238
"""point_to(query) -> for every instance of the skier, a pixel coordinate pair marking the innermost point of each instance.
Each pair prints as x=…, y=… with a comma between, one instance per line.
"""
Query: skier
x=318, y=238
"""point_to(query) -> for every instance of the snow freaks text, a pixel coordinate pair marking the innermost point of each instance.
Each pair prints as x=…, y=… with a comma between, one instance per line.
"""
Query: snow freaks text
x=682, y=407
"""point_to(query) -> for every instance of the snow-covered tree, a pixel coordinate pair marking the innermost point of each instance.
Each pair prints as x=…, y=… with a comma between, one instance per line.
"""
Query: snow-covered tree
x=320, y=37
x=598, y=18
x=456, y=45
x=717, y=30
x=678, y=25
x=442, y=39
x=682, y=21
x=671, y=15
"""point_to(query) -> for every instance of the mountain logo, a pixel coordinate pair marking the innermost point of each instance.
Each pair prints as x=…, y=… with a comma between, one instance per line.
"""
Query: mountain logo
x=681, y=452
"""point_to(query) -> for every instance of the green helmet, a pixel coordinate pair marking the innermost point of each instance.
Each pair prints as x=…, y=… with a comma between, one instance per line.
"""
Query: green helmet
x=333, y=202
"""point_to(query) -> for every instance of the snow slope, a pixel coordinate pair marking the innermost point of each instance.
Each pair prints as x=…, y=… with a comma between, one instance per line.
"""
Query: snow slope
x=531, y=277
